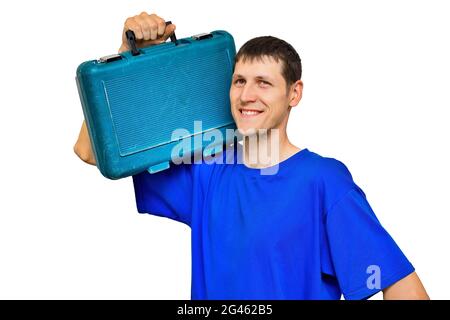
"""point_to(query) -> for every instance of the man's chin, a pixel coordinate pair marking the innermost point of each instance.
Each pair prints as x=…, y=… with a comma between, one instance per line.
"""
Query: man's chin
x=247, y=131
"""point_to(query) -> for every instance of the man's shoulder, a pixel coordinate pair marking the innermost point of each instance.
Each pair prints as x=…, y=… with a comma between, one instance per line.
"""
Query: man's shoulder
x=327, y=165
x=325, y=172
x=319, y=165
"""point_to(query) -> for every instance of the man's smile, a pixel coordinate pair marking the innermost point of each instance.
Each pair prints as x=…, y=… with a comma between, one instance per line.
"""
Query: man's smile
x=248, y=113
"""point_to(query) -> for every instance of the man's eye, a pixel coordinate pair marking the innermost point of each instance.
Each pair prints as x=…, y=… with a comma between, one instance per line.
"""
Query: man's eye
x=264, y=83
x=239, y=81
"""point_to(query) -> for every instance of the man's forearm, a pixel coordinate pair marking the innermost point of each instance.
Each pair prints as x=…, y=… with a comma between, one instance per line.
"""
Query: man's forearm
x=408, y=288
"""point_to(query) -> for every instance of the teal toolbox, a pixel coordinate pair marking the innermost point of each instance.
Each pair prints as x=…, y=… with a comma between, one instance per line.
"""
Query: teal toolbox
x=133, y=101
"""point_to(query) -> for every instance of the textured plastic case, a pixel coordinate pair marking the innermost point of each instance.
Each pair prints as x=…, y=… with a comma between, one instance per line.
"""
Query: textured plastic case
x=133, y=103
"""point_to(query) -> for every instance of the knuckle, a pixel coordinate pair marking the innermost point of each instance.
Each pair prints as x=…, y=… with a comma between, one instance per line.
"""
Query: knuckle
x=131, y=22
x=152, y=25
x=128, y=21
x=161, y=23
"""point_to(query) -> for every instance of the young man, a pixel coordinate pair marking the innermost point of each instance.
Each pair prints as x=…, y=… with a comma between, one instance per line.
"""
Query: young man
x=305, y=232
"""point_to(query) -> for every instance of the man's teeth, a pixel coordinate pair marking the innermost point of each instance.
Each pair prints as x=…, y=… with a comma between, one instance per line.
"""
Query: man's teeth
x=250, y=113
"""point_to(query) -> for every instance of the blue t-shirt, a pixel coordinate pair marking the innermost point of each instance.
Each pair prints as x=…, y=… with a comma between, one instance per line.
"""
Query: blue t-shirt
x=306, y=232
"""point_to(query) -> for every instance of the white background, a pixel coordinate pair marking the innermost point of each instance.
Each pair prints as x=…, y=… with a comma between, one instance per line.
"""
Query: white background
x=376, y=97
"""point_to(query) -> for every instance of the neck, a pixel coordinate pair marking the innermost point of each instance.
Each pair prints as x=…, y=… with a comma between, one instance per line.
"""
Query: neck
x=267, y=148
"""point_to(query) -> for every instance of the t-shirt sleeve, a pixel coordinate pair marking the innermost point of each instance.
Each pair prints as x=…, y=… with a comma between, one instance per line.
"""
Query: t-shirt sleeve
x=167, y=193
x=365, y=257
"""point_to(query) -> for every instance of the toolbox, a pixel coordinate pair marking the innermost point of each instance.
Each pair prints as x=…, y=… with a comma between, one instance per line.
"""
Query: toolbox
x=133, y=102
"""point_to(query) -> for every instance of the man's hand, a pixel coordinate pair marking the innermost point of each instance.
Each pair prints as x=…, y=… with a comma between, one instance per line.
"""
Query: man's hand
x=408, y=288
x=148, y=29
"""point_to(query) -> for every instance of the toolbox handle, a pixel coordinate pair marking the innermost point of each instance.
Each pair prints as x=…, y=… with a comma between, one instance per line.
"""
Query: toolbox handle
x=131, y=39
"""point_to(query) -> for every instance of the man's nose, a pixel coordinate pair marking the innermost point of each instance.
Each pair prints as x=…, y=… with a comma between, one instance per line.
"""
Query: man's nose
x=248, y=94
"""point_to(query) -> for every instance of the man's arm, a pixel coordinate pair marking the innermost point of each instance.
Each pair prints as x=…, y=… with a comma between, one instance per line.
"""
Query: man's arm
x=82, y=147
x=408, y=288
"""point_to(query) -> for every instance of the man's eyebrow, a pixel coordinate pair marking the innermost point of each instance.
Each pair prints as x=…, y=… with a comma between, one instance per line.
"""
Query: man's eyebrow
x=260, y=77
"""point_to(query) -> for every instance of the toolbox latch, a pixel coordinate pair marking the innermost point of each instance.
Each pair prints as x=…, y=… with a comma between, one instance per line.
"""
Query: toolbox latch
x=202, y=36
x=159, y=167
x=110, y=58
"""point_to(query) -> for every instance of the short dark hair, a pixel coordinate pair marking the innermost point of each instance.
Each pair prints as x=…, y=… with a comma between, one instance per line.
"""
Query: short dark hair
x=268, y=46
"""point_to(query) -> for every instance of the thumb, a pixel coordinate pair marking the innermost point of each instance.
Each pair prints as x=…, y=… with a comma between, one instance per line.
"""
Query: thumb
x=168, y=32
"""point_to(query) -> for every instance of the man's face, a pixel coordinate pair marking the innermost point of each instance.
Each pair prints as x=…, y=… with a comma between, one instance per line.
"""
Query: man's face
x=258, y=95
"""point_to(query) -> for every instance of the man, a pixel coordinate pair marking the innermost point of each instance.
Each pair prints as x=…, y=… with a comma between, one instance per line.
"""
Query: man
x=304, y=232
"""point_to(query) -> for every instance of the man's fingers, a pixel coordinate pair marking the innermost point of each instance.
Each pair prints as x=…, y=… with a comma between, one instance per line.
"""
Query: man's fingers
x=149, y=25
x=133, y=25
x=153, y=30
x=161, y=26
x=143, y=23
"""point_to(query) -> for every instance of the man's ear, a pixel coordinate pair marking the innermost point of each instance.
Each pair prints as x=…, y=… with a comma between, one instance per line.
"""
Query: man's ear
x=296, y=92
